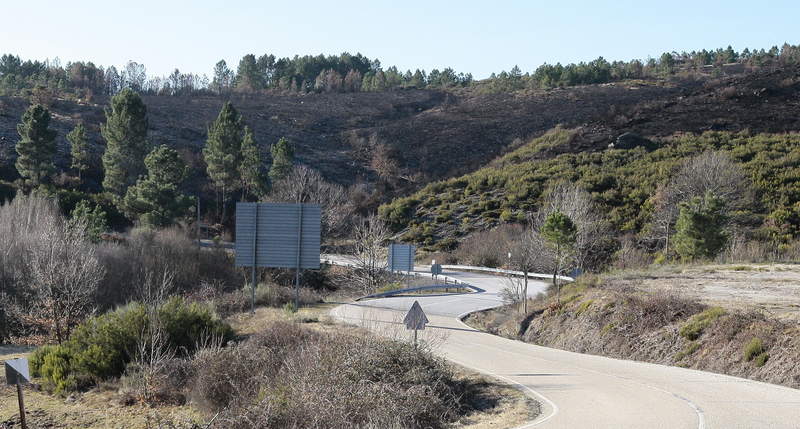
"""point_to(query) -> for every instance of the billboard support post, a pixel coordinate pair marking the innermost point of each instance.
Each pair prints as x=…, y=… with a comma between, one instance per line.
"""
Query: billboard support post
x=299, y=252
x=253, y=270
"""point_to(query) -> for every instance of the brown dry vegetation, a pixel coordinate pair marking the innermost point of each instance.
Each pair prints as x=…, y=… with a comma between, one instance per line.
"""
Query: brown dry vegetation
x=599, y=316
x=297, y=349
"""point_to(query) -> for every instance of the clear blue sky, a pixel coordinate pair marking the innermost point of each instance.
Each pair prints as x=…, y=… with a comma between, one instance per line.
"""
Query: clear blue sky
x=471, y=36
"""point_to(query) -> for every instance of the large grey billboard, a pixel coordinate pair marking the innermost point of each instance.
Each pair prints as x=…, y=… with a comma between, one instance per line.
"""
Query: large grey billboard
x=278, y=235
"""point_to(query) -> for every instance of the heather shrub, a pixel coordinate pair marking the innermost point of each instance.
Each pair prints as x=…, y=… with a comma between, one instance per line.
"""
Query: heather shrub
x=290, y=376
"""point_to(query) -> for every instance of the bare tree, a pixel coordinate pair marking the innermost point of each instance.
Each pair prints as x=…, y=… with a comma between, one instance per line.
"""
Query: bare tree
x=593, y=228
x=64, y=274
x=153, y=351
x=370, y=235
x=513, y=292
x=711, y=171
x=305, y=185
x=528, y=253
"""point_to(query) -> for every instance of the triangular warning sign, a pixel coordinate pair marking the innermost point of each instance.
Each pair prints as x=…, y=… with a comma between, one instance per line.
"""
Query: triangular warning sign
x=415, y=318
x=17, y=371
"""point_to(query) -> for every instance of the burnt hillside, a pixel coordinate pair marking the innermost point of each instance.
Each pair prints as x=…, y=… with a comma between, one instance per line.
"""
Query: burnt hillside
x=438, y=134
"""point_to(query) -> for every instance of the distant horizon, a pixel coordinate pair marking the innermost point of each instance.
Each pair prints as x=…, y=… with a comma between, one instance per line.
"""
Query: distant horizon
x=472, y=38
x=232, y=64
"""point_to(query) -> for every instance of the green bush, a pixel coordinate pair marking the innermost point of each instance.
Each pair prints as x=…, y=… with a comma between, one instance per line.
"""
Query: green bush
x=187, y=323
x=753, y=349
x=690, y=349
x=102, y=346
x=693, y=328
x=54, y=364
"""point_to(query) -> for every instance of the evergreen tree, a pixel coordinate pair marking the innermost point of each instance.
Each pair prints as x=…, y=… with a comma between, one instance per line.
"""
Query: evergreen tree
x=223, y=78
x=125, y=132
x=250, y=168
x=560, y=232
x=248, y=75
x=79, y=149
x=223, y=151
x=155, y=200
x=700, y=229
x=418, y=80
x=36, y=147
x=93, y=218
x=282, y=160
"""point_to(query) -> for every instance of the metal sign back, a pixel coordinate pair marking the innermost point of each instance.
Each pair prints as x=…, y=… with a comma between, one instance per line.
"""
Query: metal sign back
x=415, y=318
x=272, y=234
x=17, y=371
x=436, y=269
x=401, y=257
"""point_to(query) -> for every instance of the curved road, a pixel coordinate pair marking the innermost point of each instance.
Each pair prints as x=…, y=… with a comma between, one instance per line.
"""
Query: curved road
x=577, y=390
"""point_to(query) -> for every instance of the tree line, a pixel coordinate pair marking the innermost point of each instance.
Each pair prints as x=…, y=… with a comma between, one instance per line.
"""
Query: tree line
x=43, y=80
x=601, y=70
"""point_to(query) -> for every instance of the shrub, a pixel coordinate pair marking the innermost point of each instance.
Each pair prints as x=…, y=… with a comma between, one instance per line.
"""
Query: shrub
x=694, y=327
x=689, y=350
x=290, y=308
x=754, y=348
x=583, y=307
x=54, y=364
x=224, y=375
x=147, y=252
x=102, y=346
x=291, y=377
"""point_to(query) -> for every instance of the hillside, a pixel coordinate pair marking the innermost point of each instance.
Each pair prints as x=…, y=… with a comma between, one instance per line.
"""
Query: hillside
x=435, y=134
x=752, y=117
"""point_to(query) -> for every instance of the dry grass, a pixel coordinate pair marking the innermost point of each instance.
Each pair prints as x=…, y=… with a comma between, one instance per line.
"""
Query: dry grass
x=97, y=408
x=774, y=288
x=491, y=404
x=497, y=405
x=627, y=319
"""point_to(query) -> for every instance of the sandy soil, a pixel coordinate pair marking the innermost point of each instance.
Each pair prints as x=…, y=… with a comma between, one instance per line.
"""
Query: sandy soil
x=773, y=288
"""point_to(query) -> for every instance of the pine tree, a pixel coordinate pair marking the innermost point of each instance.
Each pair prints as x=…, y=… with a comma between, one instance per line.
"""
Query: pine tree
x=155, y=200
x=223, y=78
x=36, y=147
x=125, y=132
x=282, y=160
x=223, y=151
x=700, y=228
x=560, y=232
x=248, y=76
x=250, y=169
x=79, y=149
x=93, y=218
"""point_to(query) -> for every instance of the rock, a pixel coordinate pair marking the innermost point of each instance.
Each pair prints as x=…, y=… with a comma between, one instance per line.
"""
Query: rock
x=631, y=140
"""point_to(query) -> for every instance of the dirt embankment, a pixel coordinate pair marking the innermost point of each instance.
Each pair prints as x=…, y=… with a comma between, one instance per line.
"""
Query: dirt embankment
x=598, y=316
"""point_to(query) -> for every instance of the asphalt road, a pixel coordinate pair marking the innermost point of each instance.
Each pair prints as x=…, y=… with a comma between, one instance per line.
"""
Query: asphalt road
x=577, y=390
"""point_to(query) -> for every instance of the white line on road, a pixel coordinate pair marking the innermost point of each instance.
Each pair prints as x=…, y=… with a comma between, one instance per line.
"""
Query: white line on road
x=538, y=420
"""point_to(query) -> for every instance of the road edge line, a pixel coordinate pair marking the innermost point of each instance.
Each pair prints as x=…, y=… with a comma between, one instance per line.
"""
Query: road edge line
x=539, y=419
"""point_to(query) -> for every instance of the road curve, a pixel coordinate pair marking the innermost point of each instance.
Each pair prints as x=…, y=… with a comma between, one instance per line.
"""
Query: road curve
x=577, y=390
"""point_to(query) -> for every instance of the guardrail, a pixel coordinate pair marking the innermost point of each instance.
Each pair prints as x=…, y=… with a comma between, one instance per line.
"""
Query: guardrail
x=446, y=278
x=474, y=289
x=502, y=271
